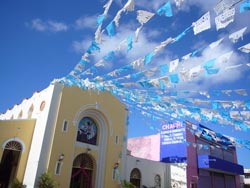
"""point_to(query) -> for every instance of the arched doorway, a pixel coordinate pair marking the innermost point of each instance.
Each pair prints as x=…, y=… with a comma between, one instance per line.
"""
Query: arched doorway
x=9, y=163
x=83, y=172
x=135, y=177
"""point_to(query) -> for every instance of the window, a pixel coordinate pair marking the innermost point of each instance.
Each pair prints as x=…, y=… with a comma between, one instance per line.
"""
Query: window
x=113, y=174
x=116, y=139
x=135, y=177
x=216, y=151
x=230, y=181
x=87, y=131
x=193, y=185
x=228, y=156
x=42, y=105
x=20, y=114
x=31, y=109
x=58, y=167
x=202, y=148
x=65, y=126
x=247, y=176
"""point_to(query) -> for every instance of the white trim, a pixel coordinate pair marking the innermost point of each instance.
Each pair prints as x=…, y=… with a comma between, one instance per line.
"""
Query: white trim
x=40, y=148
x=78, y=115
x=14, y=139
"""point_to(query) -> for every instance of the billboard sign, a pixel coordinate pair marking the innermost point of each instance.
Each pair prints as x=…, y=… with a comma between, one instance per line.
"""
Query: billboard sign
x=173, y=143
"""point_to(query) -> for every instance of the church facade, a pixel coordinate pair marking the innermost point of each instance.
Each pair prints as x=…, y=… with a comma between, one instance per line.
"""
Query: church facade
x=78, y=136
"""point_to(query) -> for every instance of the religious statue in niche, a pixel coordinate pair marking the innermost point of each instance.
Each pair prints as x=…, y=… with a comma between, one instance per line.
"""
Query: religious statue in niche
x=87, y=131
x=157, y=182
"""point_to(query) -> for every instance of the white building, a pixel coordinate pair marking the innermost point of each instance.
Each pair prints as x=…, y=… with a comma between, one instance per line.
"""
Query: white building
x=151, y=174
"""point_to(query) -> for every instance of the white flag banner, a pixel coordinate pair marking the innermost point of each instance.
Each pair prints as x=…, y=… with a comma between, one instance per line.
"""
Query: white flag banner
x=202, y=24
x=121, y=45
x=184, y=75
x=225, y=18
x=224, y=58
x=223, y=5
x=233, y=67
x=178, y=3
x=215, y=44
x=234, y=37
x=194, y=72
x=137, y=32
x=100, y=63
x=235, y=115
x=186, y=57
x=245, y=114
x=245, y=48
x=107, y=6
x=129, y=6
x=162, y=45
x=173, y=65
x=98, y=32
x=144, y=16
x=226, y=104
x=137, y=64
x=155, y=82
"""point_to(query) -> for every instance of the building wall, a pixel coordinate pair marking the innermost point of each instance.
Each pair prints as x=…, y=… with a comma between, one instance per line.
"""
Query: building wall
x=146, y=147
x=109, y=113
x=22, y=132
x=49, y=109
x=247, y=176
x=192, y=168
x=149, y=169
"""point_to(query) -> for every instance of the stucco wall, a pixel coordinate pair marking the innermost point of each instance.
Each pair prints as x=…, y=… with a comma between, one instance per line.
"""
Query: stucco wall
x=110, y=116
x=147, y=147
x=22, y=132
x=149, y=169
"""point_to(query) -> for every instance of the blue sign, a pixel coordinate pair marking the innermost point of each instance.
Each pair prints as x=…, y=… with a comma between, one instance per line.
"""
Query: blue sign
x=173, y=143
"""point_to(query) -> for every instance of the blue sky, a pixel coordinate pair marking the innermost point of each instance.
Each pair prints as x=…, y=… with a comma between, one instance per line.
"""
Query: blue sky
x=44, y=40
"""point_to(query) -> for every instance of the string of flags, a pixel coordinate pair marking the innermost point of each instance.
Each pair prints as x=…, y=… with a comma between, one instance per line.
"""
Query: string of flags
x=152, y=87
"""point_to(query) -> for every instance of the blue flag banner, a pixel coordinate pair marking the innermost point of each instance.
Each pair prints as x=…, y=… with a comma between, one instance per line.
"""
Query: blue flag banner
x=165, y=9
x=111, y=29
x=164, y=69
x=245, y=6
x=100, y=19
x=130, y=42
x=148, y=58
x=174, y=78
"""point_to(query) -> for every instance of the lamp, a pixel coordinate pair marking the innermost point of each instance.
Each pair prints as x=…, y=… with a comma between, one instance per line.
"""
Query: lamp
x=88, y=150
x=61, y=157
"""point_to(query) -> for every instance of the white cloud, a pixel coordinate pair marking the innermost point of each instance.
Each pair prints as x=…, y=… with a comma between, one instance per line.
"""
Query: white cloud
x=48, y=26
x=81, y=46
x=86, y=22
x=150, y=5
x=57, y=26
x=38, y=25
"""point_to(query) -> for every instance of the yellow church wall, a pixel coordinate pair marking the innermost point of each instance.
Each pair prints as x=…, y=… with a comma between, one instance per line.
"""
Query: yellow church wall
x=20, y=130
x=114, y=113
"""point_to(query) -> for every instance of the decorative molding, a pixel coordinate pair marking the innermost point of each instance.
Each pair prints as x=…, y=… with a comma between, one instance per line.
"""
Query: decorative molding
x=16, y=140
